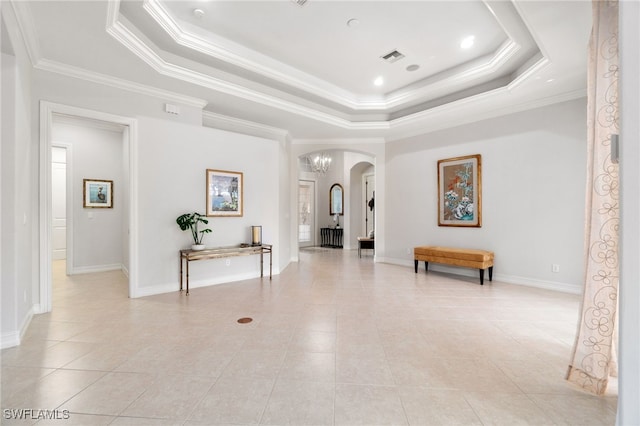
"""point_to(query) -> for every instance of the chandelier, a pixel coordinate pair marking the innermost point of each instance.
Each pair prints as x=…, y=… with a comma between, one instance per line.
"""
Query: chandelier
x=319, y=163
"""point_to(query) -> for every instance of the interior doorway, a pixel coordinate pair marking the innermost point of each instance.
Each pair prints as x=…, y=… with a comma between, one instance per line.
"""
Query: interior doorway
x=369, y=204
x=48, y=111
x=306, y=213
x=59, y=160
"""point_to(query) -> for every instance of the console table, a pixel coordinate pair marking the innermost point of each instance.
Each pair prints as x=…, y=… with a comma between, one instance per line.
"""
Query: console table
x=331, y=237
x=189, y=255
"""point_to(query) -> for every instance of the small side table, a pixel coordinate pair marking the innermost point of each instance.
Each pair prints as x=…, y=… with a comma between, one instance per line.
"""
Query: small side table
x=365, y=243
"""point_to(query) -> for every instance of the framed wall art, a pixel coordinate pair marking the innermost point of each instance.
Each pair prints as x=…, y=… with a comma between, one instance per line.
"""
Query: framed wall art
x=224, y=193
x=460, y=191
x=97, y=194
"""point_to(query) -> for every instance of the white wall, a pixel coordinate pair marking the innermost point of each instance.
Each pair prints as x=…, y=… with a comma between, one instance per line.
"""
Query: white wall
x=533, y=186
x=97, y=153
x=173, y=159
x=19, y=269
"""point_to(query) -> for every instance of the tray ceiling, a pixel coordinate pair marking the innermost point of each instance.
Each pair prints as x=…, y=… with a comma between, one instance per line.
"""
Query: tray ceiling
x=312, y=68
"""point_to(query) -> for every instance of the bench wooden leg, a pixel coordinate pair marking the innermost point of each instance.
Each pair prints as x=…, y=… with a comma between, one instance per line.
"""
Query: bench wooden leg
x=490, y=273
x=481, y=276
x=415, y=264
x=426, y=266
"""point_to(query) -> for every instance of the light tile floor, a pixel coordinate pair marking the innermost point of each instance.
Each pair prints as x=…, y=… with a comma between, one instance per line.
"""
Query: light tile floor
x=335, y=340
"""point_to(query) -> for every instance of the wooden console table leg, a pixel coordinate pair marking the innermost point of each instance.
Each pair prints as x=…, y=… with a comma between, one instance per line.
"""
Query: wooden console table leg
x=180, y=273
x=187, y=277
x=261, y=263
x=270, y=263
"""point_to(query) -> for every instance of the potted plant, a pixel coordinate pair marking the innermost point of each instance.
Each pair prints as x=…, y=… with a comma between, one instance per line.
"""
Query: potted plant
x=191, y=221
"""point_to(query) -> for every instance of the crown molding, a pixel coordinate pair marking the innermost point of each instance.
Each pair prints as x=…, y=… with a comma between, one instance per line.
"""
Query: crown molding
x=212, y=119
x=338, y=141
x=431, y=120
x=289, y=75
x=118, y=83
x=493, y=63
x=22, y=12
x=295, y=78
x=120, y=32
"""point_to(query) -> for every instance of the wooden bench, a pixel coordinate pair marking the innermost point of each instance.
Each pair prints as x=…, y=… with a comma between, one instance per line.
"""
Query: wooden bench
x=365, y=243
x=469, y=258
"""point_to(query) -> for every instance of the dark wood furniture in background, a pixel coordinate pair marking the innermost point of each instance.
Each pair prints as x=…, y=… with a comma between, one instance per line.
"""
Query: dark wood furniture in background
x=365, y=243
x=331, y=237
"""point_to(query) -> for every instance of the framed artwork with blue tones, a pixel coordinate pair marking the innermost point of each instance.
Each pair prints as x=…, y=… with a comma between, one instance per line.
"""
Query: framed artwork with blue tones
x=224, y=193
x=97, y=194
x=460, y=191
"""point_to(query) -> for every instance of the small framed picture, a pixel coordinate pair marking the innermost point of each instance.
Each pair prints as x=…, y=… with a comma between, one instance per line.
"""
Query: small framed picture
x=97, y=194
x=224, y=193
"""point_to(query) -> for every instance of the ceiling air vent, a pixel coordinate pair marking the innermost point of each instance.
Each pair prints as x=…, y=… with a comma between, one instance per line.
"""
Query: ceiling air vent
x=392, y=56
x=299, y=2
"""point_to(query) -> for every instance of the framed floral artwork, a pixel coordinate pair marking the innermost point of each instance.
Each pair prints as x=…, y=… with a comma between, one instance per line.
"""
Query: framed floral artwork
x=224, y=193
x=97, y=194
x=460, y=191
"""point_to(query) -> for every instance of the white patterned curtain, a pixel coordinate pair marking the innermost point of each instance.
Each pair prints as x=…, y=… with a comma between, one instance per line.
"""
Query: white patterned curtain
x=594, y=355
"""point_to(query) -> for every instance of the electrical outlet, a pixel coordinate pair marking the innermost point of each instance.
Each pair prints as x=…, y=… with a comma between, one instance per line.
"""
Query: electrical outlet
x=227, y=262
x=408, y=251
x=555, y=267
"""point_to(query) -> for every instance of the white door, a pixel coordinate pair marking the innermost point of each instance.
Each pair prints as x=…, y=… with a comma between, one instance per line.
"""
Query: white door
x=306, y=213
x=59, y=202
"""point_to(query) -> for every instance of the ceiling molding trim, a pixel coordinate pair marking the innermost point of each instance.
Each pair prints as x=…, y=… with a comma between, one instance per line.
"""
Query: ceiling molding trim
x=539, y=65
x=243, y=126
x=506, y=51
x=338, y=141
x=287, y=76
x=121, y=33
x=189, y=40
x=22, y=12
x=530, y=28
x=94, y=77
x=429, y=121
x=62, y=118
x=117, y=29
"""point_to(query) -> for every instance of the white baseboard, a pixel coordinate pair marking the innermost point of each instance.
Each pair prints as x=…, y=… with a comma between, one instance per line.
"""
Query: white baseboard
x=10, y=339
x=13, y=338
x=510, y=279
x=175, y=286
x=125, y=271
x=96, y=268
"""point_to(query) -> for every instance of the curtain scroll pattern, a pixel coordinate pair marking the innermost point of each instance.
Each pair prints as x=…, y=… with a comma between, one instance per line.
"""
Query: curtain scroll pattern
x=593, y=360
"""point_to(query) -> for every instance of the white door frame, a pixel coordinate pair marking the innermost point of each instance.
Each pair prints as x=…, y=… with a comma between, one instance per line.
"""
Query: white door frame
x=314, y=228
x=47, y=110
x=69, y=202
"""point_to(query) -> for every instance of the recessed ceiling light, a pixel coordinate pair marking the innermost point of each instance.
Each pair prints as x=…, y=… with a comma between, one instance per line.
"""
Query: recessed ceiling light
x=413, y=67
x=353, y=22
x=198, y=13
x=379, y=81
x=467, y=42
